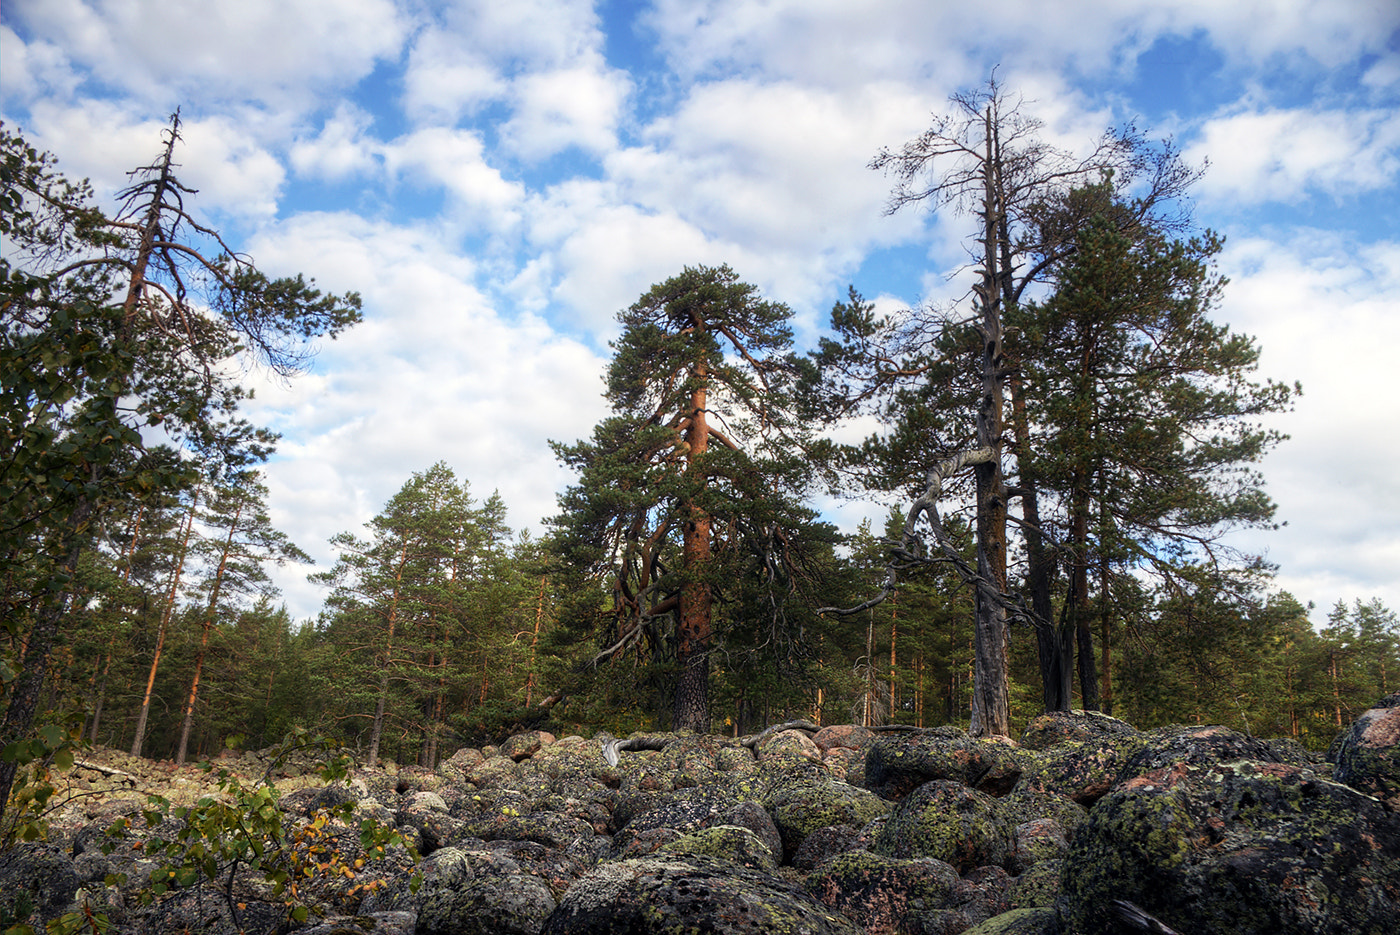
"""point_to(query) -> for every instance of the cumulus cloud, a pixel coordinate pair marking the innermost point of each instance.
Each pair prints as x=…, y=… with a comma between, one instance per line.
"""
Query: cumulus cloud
x=340, y=150
x=1283, y=155
x=436, y=372
x=1317, y=302
x=277, y=52
x=832, y=42
x=220, y=156
x=455, y=160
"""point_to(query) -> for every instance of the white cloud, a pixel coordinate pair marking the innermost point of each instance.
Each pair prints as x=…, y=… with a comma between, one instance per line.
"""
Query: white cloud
x=278, y=52
x=456, y=160
x=31, y=70
x=568, y=107
x=340, y=150
x=434, y=373
x=949, y=45
x=1283, y=155
x=446, y=80
x=1322, y=308
x=220, y=156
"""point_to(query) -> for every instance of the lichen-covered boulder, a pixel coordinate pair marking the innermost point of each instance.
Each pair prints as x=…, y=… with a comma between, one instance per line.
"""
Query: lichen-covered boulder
x=1366, y=756
x=843, y=736
x=801, y=808
x=459, y=765
x=1082, y=771
x=825, y=843
x=1026, y=805
x=1198, y=746
x=37, y=878
x=897, y=765
x=1020, y=922
x=1059, y=727
x=1036, y=841
x=1037, y=888
x=980, y=895
x=789, y=745
x=1247, y=847
x=728, y=842
x=522, y=746
x=879, y=892
x=508, y=904
x=670, y=895
x=509, y=887
x=949, y=821
x=755, y=817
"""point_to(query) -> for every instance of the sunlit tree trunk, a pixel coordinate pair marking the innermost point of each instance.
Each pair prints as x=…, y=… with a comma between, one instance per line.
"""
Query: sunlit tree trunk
x=166, y=614
x=692, y=705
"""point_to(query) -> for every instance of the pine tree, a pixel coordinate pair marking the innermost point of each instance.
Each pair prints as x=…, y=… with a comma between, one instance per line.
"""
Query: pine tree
x=111, y=325
x=1143, y=423
x=239, y=540
x=690, y=489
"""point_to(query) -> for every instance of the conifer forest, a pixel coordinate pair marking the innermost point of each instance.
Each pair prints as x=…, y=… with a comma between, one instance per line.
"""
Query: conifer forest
x=1065, y=455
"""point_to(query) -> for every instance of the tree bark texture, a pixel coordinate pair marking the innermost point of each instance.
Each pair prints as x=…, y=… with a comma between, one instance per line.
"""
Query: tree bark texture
x=692, y=704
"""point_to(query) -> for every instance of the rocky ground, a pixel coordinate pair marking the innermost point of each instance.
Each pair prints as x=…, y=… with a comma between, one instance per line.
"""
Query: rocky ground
x=1084, y=826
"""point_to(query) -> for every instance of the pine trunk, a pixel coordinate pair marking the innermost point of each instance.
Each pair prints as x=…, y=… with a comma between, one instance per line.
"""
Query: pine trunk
x=188, y=720
x=140, y=737
x=991, y=708
x=692, y=703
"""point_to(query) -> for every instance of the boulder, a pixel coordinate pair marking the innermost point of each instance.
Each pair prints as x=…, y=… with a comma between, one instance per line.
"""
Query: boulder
x=1198, y=746
x=755, y=817
x=1060, y=727
x=950, y=822
x=825, y=843
x=1036, y=841
x=897, y=765
x=803, y=807
x=38, y=883
x=1020, y=922
x=1082, y=771
x=665, y=895
x=879, y=892
x=842, y=737
x=1247, y=847
x=523, y=746
x=789, y=745
x=1366, y=756
x=728, y=842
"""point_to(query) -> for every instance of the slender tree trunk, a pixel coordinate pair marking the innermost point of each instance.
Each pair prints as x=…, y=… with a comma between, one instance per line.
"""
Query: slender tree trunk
x=139, y=740
x=991, y=706
x=692, y=703
x=894, y=670
x=377, y=731
x=1105, y=632
x=209, y=615
x=534, y=643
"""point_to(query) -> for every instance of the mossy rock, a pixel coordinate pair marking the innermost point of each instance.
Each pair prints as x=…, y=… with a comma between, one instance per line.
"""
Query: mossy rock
x=802, y=808
x=897, y=765
x=1080, y=771
x=1038, y=887
x=1054, y=728
x=1246, y=847
x=674, y=894
x=727, y=842
x=880, y=892
x=950, y=822
x=1026, y=805
x=1036, y=921
x=1198, y=745
x=1367, y=755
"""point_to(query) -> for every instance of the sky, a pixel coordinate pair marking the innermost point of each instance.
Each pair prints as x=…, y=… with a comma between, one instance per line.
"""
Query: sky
x=499, y=179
